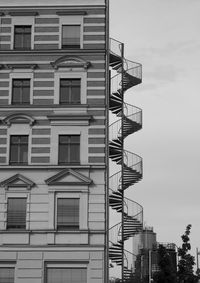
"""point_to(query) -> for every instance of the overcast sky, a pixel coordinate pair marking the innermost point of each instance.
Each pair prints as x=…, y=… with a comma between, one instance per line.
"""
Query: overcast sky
x=164, y=35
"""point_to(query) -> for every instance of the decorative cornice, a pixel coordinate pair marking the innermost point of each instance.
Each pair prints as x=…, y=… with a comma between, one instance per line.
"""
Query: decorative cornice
x=13, y=182
x=70, y=62
x=21, y=66
x=18, y=118
x=71, y=12
x=57, y=179
x=23, y=13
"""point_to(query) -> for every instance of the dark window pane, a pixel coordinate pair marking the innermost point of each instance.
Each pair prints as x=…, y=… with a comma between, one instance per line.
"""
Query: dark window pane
x=69, y=149
x=66, y=275
x=22, y=37
x=64, y=139
x=19, y=150
x=71, y=36
x=14, y=154
x=75, y=139
x=16, y=213
x=70, y=91
x=74, y=153
x=15, y=139
x=68, y=214
x=64, y=95
x=63, y=154
x=7, y=274
x=21, y=91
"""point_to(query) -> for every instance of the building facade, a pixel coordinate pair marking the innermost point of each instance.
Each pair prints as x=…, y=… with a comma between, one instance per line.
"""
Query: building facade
x=60, y=74
x=53, y=137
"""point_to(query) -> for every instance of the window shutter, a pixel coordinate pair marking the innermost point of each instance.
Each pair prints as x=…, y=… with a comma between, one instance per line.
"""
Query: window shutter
x=71, y=36
x=7, y=275
x=69, y=275
x=16, y=213
x=68, y=214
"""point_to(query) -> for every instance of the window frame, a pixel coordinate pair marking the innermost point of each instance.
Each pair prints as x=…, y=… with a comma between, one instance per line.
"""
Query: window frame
x=68, y=145
x=67, y=74
x=71, y=46
x=67, y=228
x=21, y=91
x=19, y=163
x=10, y=265
x=71, y=20
x=22, y=74
x=80, y=193
x=22, y=48
x=23, y=21
x=70, y=88
x=12, y=228
x=64, y=265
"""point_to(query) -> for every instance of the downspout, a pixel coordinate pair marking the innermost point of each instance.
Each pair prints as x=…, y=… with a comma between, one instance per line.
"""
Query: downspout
x=106, y=263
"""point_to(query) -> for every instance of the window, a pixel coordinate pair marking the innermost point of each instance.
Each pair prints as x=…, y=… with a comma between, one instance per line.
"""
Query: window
x=71, y=36
x=16, y=213
x=18, y=150
x=67, y=214
x=69, y=275
x=21, y=91
x=69, y=149
x=22, y=37
x=70, y=91
x=7, y=274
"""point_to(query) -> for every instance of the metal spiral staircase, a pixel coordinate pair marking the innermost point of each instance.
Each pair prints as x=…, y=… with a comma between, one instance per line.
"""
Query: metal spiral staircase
x=126, y=75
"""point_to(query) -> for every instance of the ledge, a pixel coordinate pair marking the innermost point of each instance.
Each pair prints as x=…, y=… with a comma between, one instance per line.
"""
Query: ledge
x=50, y=167
x=23, y=13
x=70, y=119
x=71, y=12
x=21, y=66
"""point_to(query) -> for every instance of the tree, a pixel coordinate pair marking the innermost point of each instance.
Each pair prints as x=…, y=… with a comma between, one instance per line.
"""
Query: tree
x=167, y=273
x=187, y=261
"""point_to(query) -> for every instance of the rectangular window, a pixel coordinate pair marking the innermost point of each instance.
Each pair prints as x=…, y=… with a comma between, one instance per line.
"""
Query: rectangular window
x=21, y=91
x=69, y=149
x=18, y=150
x=70, y=91
x=69, y=275
x=22, y=37
x=7, y=274
x=16, y=213
x=71, y=36
x=67, y=214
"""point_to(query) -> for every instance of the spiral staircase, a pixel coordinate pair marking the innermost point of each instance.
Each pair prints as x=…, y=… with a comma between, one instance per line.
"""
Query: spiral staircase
x=124, y=75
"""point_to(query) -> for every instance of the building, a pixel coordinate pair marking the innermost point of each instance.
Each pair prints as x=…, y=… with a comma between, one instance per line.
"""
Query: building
x=147, y=256
x=55, y=143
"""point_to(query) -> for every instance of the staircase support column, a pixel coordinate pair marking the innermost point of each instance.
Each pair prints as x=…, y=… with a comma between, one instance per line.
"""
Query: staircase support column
x=122, y=167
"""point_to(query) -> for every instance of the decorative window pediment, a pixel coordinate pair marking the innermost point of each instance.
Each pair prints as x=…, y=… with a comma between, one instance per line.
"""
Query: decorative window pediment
x=68, y=177
x=70, y=62
x=18, y=119
x=17, y=180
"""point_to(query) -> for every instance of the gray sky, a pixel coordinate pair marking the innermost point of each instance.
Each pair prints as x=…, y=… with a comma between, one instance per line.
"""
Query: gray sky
x=163, y=35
